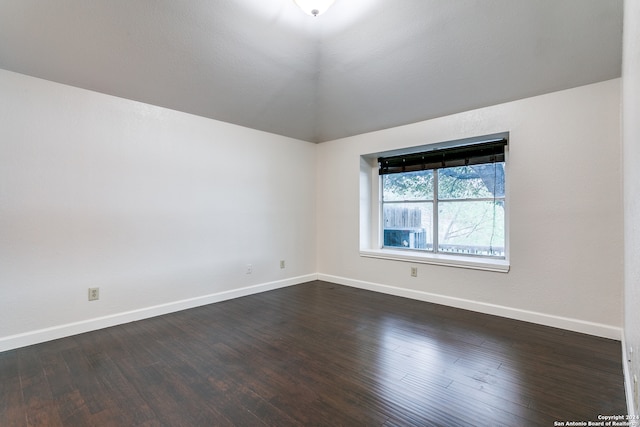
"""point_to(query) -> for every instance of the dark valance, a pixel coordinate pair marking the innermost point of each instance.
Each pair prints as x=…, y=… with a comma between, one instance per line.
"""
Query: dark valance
x=471, y=154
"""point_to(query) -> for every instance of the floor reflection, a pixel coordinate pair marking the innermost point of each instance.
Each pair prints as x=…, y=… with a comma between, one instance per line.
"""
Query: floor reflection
x=433, y=365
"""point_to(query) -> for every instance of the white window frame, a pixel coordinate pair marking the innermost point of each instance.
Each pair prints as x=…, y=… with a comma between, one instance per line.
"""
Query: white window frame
x=371, y=227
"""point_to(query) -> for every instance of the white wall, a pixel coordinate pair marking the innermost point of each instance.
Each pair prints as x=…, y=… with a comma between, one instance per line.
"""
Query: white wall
x=631, y=159
x=564, y=198
x=157, y=208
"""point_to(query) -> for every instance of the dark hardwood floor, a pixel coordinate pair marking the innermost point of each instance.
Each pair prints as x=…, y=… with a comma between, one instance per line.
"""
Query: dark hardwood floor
x=314, y=354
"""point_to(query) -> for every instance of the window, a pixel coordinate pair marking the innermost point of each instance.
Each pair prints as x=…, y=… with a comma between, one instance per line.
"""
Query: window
x=446, y=201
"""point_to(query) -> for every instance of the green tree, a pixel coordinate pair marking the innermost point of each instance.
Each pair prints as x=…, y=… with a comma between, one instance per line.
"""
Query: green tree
x=476, y=181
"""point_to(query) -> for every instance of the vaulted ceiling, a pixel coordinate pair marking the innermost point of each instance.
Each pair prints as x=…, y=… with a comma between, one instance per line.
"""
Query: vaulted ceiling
x=364, y=65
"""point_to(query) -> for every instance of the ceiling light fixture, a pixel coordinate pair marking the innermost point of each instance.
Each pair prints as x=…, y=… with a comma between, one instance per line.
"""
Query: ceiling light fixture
x=314, y=7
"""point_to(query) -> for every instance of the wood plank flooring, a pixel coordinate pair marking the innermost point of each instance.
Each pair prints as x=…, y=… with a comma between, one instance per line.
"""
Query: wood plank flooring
x=316, y=354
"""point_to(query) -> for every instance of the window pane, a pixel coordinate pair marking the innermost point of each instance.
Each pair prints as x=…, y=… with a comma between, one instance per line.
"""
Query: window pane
x=471, y=182
x=469, y=227
x=408, y=225
x=408, y=186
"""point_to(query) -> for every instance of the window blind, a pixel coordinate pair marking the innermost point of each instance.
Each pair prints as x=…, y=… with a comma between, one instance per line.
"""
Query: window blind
x=471, y=154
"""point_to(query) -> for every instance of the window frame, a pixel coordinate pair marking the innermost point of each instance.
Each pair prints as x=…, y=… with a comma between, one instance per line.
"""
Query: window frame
x=372, y=239
x=435, y=202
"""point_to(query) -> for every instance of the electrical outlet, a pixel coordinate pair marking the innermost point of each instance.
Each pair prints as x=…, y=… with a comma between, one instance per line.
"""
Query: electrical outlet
x=414, y=271
x=281, y=263
x=94, y=294
x=249, y=268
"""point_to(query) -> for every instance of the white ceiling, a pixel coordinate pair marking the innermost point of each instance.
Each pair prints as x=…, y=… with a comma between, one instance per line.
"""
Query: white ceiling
x=364, y=65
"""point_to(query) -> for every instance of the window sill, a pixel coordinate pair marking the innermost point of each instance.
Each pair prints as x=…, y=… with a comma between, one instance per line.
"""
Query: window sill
x=476, y=263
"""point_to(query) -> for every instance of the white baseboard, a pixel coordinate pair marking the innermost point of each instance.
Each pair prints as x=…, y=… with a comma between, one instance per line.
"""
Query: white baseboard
x=628, y=381
x=61, y=331
x=576, y=325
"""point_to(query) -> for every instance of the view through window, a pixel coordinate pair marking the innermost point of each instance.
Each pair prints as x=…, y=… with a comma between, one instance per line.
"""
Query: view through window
x=453, y=210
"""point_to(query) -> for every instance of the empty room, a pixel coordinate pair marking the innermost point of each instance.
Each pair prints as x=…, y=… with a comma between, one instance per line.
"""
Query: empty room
x=328, y=213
